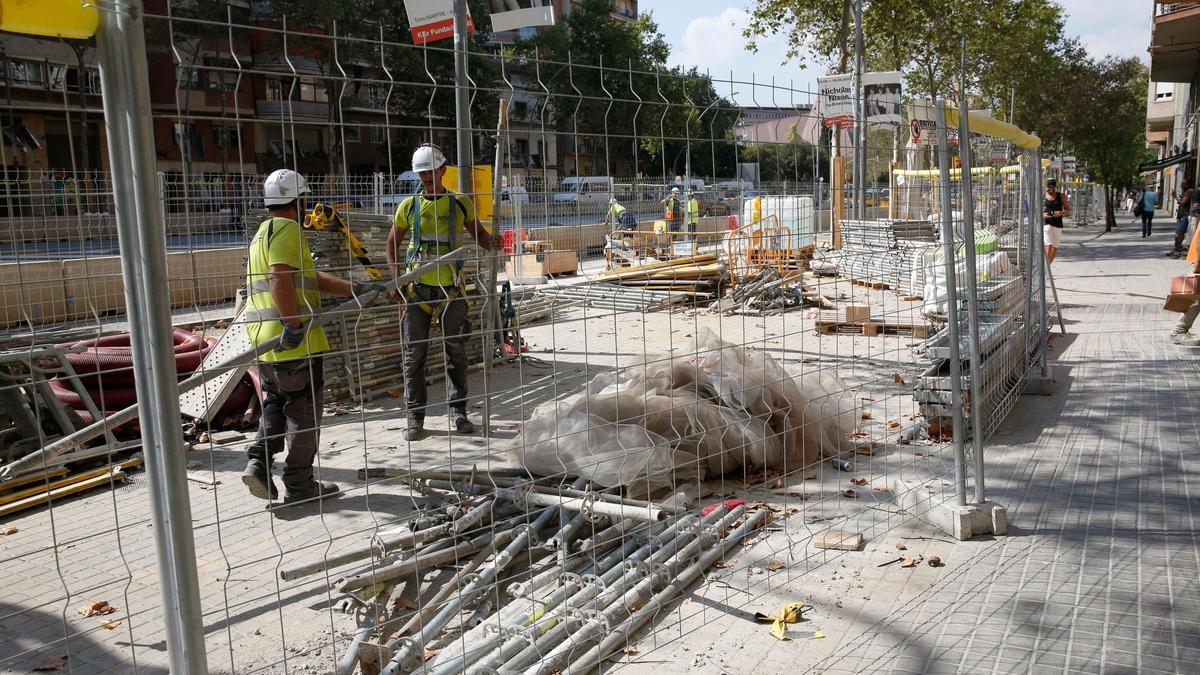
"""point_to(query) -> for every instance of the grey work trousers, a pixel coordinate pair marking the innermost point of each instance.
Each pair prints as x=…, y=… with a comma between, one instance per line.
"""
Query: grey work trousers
x=1184, y=325
x=292, y=406
x=455, y=326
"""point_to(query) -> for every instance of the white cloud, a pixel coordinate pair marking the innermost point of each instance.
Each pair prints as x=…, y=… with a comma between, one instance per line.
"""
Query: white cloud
x=713, y=42
x=1116, y=27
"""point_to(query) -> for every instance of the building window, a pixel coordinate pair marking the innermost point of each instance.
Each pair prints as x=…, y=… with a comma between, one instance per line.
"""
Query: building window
x=1164, y=91
x=29, y=74
x=311, y=90
x=274, y=89
x=224, y=137
x=377, y=95
x=188, y=140
x=68, y=77
x=187, y=77
x=378, y=135
x=18, y=136
x=352, y=133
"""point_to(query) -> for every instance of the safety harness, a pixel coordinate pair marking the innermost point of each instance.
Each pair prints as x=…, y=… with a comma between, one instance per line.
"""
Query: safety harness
x=420, y=246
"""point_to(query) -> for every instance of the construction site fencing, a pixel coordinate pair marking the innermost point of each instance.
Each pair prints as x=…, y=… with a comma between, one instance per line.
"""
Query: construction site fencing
x=649, y=393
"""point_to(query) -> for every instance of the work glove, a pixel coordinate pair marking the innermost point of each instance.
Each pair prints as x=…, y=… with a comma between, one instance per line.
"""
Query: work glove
x=362, y=288
x=293, y=336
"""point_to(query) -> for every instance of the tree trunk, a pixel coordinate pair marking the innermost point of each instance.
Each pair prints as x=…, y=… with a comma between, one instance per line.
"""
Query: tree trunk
x=1110, y=218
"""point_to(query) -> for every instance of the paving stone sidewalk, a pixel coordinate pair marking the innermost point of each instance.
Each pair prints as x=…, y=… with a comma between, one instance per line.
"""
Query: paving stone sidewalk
x=1099, y=571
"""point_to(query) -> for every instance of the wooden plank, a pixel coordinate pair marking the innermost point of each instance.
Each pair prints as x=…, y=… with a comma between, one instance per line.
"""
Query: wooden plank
x=65, y=482
x=38, y=500
x=32, y=478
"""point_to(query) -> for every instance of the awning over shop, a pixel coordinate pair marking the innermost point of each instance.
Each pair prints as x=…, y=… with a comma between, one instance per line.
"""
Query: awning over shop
x=1160, y=164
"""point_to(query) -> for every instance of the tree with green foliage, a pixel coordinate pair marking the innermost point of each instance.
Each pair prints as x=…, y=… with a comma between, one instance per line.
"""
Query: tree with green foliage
x=608, y=79
x=1098, y=107
x=923, y=39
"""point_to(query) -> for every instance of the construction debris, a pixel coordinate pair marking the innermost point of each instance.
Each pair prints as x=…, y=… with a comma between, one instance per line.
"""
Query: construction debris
x=840, y=541
x=571, y=562
x=791, y=613
x=607, y=296
x=769, y=292
x=700, y=276
x=728, y=409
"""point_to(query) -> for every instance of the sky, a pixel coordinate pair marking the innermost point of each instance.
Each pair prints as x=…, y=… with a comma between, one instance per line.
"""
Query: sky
x=707, y=34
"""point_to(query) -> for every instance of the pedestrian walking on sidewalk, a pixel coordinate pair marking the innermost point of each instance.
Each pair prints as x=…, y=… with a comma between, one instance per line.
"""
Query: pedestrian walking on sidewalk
x=1190, y=214
x=1055, y=207
x=1182, y=333
x=284, y=293
x=435, y=217
x=1148, y=199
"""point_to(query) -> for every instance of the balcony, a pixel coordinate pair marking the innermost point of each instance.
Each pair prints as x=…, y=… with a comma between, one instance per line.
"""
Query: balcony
x=300, y=111
x=1175, y=42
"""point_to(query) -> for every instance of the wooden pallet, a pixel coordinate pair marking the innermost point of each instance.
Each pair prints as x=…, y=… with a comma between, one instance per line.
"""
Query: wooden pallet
x=872, y=328
x=867, y=283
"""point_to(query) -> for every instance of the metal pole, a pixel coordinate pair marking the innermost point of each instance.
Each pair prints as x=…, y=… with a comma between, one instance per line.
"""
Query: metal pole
x=1040, y=256
x=860, y=122
x=968, y=214
x=960, y=470
x=462, y=99
x=492, y=302
x=121, y=50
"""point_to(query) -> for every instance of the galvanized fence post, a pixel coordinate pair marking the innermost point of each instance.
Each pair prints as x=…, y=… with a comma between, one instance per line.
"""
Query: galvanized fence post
x=947, y=216
x=976, y=356
x=1043, y=273
x=121, y=49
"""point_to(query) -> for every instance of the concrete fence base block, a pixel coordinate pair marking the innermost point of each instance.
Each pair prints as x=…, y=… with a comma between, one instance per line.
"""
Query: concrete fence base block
x=933, y=503
x=1036, y=385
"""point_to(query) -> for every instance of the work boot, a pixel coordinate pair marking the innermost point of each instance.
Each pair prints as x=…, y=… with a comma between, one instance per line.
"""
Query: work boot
x=1185, y=339
x=458, y=420
x=258, y=478
x=313, y=490
x=415, y=428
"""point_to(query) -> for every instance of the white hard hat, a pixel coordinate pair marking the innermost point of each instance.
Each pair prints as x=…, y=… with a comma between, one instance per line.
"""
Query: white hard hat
x=674, y=190
x=283, y=186
x=612, y=200
x=428, y=158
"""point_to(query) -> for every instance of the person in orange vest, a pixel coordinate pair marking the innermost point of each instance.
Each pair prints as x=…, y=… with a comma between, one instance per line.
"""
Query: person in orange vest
x=673, y=213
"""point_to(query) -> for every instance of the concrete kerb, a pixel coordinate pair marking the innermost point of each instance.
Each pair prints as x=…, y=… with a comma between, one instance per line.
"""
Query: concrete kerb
x=960, y=522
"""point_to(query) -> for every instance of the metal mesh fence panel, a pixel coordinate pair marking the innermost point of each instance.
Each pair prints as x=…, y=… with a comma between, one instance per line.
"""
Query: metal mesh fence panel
x=686, y=367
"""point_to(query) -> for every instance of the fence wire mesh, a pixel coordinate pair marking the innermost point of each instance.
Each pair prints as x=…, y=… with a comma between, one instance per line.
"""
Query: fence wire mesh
x=720, y=395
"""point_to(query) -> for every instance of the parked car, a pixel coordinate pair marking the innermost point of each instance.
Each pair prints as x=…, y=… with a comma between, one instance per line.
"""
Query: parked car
x=585, y=189
x=711, y=206
x=515, y=194
x=407, y=185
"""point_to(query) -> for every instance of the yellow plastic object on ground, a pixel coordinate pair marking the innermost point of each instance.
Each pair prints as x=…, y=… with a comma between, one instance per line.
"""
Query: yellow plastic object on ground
x=791, y=613
x=68, y=19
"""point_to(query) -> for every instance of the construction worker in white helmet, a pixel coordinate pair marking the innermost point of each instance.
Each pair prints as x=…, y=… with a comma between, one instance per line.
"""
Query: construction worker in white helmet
x=284, y=292
x=433, y=217
x=673, y=210
x=618, y=216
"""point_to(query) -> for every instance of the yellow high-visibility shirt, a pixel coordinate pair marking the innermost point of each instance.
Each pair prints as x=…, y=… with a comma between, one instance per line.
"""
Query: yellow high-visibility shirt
x=280, y=241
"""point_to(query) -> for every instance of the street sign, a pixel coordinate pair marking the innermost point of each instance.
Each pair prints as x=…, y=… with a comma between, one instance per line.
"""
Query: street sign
x=1068, y=164
x=836, y=96
x=432, y=20
x=882, y=94
x=529, y=13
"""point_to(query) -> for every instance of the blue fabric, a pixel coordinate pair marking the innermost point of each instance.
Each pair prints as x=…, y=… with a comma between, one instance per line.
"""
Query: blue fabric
x=1149, y=197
